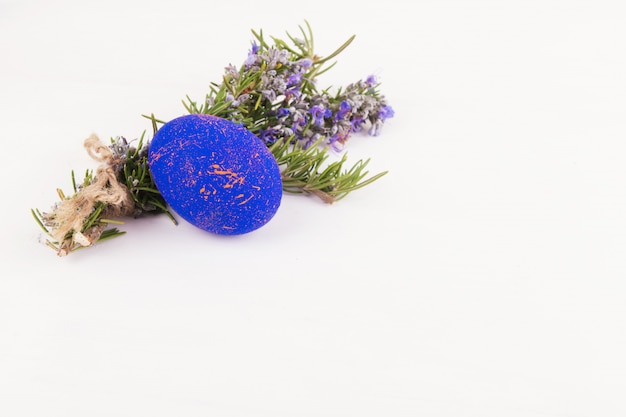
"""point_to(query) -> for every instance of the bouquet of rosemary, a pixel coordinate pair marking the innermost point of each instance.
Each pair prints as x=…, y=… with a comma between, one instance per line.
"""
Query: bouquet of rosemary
x=274, y=95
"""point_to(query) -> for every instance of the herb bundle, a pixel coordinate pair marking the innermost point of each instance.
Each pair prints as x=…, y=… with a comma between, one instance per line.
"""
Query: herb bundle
x=274, y=95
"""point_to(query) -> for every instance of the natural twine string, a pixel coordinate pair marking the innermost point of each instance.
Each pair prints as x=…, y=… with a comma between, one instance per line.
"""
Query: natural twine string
x=70, y=214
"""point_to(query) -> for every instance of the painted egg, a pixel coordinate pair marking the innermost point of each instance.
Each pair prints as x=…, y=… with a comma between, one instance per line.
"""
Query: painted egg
x=215, y=174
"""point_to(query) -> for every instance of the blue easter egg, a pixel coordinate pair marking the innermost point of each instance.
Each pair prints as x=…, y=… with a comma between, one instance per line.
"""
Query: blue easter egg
x=215, y=174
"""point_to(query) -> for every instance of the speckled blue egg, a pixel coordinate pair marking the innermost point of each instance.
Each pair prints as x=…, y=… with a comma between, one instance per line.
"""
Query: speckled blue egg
x=215, y=174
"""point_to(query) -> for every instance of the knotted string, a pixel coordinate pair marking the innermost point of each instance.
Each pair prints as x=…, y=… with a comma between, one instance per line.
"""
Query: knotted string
x=69, y=215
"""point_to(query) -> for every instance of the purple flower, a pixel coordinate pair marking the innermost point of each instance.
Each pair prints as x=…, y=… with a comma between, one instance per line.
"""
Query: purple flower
x=252, y=55
x=305, y=62
x=294, y=78
x=318, y=113
x=344, y=109
x=269, y=135
x=293, y=93
x=338, y=140
x=269, y=94
x=232, y=71
x=282, y=112
x=300, y=119
x=385, y=112
x=357, y=124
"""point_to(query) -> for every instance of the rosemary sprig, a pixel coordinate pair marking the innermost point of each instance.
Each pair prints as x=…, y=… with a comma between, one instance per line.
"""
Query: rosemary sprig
x=304, y=170
x=274, y=95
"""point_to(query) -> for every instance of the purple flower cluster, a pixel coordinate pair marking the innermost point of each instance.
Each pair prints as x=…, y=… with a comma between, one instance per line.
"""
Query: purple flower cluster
x=282, y=89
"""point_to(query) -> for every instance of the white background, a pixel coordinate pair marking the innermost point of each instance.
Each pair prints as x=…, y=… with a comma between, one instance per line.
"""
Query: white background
x=483, y=276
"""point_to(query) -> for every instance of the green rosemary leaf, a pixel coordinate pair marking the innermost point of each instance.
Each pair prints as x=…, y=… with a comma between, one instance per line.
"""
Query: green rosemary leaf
x=110, y=233
x=94, y=216
x=74, y=182
x=338, y=51
x=38, y=218
x=147, y=189
x=110, y=221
